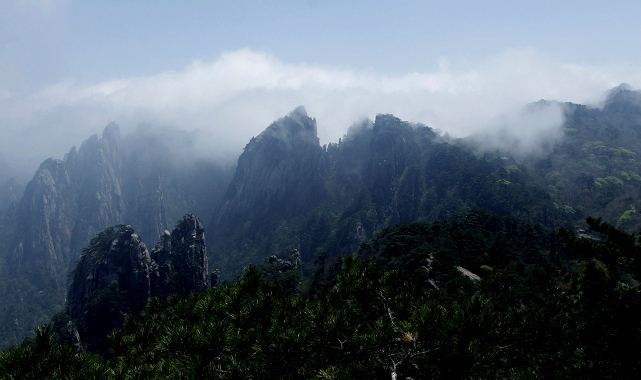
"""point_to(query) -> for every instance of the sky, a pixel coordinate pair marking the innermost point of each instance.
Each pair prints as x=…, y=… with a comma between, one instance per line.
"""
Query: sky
x=227, y=69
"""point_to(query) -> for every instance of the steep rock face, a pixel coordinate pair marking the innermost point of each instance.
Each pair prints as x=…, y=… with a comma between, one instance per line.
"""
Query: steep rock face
x=117, y=254
x=393, y=168
x=69, y=201
x=45, y=221
x=375, y=170
x=290, y=194
x=182, y=259
x=124, y=259
x=142, y=180
x=117, y=275
x=279, y=176
x=97, y=174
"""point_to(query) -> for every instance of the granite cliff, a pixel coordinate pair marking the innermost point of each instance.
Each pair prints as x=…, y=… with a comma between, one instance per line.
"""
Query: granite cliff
x=289, y=193
x=116, y=275
x=142, y=180
x=278, y=177
x=69, y=201
x=181, y=259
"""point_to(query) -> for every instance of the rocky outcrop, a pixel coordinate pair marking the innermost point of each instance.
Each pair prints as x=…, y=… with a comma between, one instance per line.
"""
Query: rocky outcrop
x=115, y=255
x=142, y=180
x=281, y=265
x=69, y=201
x=181, y=259
x=278, y=177
x=117, y=275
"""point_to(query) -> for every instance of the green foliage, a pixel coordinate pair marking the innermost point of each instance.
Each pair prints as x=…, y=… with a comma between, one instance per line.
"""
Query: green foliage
x=617, y=249
x=595, y=168
x=380, y=316
x=101, y=243
x=43, y=357
x=19, y=317
x=628, y=218
x=394, y=173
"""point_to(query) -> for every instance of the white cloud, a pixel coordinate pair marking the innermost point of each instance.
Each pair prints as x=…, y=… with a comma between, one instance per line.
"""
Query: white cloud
x=529, y=130
x=239, y=94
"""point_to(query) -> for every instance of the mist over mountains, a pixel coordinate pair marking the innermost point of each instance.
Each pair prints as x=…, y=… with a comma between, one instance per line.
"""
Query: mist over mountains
x=290, y=192
x=234, y=96
x=320, y=190
x=145, y=179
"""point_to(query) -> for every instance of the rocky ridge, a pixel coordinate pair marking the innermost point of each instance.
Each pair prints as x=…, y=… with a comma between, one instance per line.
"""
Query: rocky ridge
x=291, y=193
x=69, y=201
x=278, y=177
x=143, y=179
x=117, y=275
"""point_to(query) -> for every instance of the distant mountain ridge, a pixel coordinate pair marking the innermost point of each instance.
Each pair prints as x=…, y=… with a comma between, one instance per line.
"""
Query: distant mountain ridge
x=595, y=169
x=71, y=200
x=108, y=181
x=290, y=193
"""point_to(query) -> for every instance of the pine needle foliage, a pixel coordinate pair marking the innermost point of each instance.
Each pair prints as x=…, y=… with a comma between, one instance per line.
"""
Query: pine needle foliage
x=534, y=314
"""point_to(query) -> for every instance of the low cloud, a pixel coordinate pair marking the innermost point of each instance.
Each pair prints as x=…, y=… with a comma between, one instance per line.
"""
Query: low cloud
x=236, y=96
x=533, y=129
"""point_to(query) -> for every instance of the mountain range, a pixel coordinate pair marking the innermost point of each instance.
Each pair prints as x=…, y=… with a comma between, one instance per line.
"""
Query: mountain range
x=288, y=192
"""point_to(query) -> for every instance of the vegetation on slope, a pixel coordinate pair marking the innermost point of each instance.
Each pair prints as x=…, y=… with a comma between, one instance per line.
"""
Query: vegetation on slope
x=594, y=170
x=547, y=305
x=377, y=176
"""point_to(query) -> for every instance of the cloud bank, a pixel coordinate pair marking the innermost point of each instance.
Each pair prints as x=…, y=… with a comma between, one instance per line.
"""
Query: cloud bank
x=240, y=93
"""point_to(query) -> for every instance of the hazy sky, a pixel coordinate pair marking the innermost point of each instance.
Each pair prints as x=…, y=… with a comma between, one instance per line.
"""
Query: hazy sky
x=229, y=68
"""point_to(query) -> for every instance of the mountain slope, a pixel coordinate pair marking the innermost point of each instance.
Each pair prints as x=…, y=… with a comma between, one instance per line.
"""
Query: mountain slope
x=401, y=307
x=116, y=276
x=594, y=170
x=289, y=193
x=139, y=180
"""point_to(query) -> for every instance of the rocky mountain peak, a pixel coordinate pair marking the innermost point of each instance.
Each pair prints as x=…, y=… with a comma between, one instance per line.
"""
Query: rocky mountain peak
x=278, y=176
x=182, y=258
x=116, y=275
x=177, y=265
x=386, y=122
x=189, y=228
x=294, y=130
x=116, y=254
x=112, y=132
